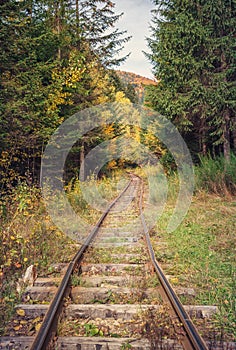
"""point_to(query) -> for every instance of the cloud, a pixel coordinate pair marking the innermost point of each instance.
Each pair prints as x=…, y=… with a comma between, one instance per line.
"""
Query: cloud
x=136, y=20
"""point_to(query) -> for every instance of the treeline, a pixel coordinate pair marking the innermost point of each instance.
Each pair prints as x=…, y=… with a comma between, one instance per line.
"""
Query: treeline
x=193, y=57
x=57, y=57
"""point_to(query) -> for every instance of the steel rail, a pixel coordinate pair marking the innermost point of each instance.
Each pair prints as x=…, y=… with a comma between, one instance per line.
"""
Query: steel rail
x=44, y=338
x=193, y=340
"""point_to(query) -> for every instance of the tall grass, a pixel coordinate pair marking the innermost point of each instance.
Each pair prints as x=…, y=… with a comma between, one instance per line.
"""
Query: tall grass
x=216, y=175
x=91, y=197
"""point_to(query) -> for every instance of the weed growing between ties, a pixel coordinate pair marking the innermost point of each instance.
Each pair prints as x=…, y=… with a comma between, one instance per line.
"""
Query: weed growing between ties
x=157, y=327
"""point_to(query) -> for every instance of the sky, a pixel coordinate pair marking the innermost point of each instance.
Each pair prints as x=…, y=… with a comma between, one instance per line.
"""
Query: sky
x=136, y=20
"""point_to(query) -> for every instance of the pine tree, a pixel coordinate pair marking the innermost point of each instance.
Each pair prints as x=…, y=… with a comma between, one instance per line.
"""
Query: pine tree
x=220, y=16
x=187, y=51
x=96, y=21
x=25, y=75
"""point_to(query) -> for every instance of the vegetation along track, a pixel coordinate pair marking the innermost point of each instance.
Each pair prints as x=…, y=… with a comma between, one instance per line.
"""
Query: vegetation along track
x=112, y=295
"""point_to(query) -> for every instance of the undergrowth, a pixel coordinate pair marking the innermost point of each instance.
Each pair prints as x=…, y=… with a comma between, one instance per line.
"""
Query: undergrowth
x=27, y=237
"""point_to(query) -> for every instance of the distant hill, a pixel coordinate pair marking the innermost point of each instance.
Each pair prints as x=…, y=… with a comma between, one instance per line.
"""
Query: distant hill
x=139, y=82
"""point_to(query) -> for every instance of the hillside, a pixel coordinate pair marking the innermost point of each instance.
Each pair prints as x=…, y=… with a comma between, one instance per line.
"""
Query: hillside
x=137, y=81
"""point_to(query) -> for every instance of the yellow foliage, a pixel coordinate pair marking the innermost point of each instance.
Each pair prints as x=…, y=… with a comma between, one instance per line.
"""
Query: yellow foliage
x=109, y=130
x=120, y=97
x=79, y=76
x=174, y=280
x=58, y=97
x=111, y=164
x=72, y=76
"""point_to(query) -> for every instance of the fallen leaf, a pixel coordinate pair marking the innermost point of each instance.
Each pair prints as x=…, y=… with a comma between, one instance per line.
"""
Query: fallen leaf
x=17, y=265
x=16, y=328
x=23, y=322
x=38, y=326
x=36, y=320
x=174, y=280
x=20, y=312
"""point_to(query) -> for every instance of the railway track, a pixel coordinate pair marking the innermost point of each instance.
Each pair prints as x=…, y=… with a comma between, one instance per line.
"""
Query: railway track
x=112, y=295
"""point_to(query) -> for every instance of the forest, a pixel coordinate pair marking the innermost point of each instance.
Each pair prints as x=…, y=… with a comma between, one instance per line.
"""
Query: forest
x=56, y=59
x=60, y=57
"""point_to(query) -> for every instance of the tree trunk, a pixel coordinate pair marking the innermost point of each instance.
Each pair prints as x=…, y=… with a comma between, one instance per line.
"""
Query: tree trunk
x=226, y=145
x=82, y=165
x=57, y=25
x=226, y=116
x=233, y=127
x=77, y=13
x=203, y=136
x=77, y=23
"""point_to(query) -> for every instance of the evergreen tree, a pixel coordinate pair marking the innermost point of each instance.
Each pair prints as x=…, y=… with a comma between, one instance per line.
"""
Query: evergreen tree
x=25, y=76
x=97, y=20
x=131, y=93
x=196, y=89
x=220, y=16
